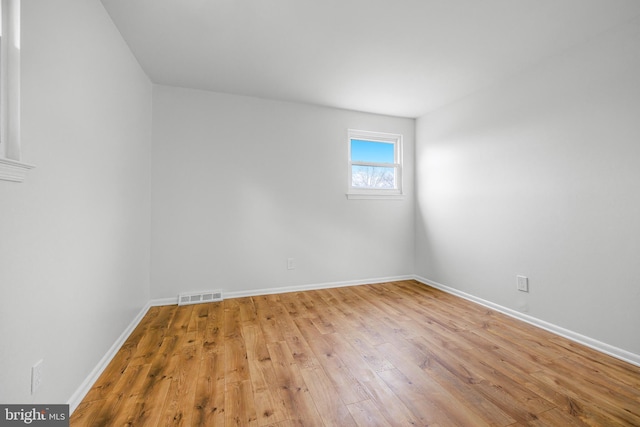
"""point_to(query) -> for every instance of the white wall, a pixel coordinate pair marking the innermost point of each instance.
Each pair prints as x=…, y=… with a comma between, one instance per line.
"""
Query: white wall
x=241, y=184
x=74, y=237
x=540, y=176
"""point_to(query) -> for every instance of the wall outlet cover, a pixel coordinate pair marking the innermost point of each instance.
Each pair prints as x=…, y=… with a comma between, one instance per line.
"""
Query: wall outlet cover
x=523, y=283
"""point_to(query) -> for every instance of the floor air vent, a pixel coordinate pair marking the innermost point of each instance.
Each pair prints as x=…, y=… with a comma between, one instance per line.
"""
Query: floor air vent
x=199, y=297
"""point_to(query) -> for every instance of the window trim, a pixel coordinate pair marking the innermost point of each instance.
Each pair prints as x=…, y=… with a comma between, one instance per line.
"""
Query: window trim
x=375, y=193
x=11, y=166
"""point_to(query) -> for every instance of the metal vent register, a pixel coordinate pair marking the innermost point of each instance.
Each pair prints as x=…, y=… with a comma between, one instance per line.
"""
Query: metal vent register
x=199, y=297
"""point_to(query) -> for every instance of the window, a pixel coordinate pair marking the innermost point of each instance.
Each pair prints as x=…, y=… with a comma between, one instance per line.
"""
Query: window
x=11, y=168
x=375, y=165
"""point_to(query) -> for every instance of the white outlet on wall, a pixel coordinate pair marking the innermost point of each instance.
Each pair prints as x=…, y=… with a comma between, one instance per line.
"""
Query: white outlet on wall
x=36, y=376
x=291, y=264
x=523, y=283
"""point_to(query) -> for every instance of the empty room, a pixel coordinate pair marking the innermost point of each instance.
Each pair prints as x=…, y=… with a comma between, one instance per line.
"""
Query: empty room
x=320, y=213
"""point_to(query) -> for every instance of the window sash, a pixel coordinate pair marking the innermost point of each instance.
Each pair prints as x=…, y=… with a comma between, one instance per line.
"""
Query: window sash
x=396, y=166
x=379, y=179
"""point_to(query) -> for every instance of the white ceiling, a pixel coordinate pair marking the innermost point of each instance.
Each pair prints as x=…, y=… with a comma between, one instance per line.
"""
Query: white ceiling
x=395, y=57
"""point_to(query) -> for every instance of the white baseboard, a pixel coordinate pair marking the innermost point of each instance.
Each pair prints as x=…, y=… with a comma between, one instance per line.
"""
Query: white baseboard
x=163, y=301
x=602, y=347
x=327, y=285
x=86, y=385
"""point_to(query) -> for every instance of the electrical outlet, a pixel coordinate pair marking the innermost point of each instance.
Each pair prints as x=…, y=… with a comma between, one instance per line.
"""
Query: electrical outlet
x=291, y=264
x=36, y=376
x=523, y=283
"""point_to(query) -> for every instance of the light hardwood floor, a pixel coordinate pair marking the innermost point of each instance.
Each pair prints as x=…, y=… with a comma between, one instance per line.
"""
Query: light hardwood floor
x=390, y=354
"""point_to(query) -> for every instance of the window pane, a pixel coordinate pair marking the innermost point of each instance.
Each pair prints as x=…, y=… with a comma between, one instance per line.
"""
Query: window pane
x=370, y=151
x=373, y=177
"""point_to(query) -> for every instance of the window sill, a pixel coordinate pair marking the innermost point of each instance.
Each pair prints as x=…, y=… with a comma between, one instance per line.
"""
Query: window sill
x=13, y=170
x=359, y=196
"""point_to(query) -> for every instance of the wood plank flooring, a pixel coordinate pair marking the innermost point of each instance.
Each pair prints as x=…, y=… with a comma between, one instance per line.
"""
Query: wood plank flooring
x=393, y=354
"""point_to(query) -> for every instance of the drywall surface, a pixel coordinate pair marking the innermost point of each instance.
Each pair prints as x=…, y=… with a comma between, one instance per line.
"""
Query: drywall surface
x=539, y=176
x=242, y=184
x=74, y=237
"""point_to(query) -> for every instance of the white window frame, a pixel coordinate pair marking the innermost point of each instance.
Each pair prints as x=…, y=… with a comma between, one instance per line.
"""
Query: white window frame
x=11, y=166
x=375, y=193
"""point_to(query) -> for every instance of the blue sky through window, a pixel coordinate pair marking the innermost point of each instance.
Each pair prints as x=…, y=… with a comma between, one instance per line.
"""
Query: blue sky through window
x=371, y=151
